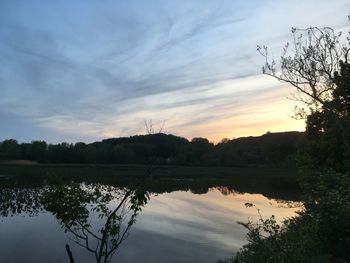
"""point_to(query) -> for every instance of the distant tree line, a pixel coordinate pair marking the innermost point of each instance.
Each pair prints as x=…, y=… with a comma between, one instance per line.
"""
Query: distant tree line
x=270, y=149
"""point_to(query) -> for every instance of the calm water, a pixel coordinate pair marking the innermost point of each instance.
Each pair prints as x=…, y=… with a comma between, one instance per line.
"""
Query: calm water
x=171, y=226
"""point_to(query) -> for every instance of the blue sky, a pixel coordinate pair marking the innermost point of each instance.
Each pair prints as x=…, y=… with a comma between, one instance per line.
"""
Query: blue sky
x=86, y=70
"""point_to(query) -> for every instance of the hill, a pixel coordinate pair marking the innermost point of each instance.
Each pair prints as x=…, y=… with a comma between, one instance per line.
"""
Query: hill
x=271, y=149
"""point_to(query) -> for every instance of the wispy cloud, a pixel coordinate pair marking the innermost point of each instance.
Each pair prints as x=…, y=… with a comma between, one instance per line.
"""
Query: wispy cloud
x=87, y=70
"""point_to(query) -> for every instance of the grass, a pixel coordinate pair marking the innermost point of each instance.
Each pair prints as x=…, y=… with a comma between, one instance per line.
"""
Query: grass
x=274, y=183
x=44, y=170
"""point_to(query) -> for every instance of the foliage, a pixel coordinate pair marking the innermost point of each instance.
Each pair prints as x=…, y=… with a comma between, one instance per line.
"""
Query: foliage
x=319, y=233
x=320, y=71
x=75, y=206
x=318, y=67
x=97, y=217
x=271, y=149
x=309, y=65
x=327, y=131
x=16, y=200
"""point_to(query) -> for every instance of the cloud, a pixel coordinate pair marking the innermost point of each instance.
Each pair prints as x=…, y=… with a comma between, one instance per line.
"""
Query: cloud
x=95, y=69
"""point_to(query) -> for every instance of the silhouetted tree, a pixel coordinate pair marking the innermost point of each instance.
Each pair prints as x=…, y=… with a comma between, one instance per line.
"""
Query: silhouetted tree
x=39, y=151
x=274, y=149
x=10, y=149
x=318, y=68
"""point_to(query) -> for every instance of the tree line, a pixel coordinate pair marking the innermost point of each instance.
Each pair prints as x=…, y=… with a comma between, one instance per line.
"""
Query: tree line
x=270, y=149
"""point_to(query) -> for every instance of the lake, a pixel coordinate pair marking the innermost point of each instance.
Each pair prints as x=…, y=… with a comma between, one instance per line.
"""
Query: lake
x=163, y=219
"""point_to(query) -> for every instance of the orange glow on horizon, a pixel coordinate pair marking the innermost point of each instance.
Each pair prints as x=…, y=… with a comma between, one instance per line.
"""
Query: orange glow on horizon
x=269, y=112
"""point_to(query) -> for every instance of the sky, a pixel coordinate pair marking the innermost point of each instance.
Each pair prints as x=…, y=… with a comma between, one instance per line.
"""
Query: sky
x=87, y=70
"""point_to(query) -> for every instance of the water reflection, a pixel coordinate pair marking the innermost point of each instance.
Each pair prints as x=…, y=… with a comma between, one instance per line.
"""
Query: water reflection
x=75, y=205
x=194, y=223
x=97, y=217
x=16, y=200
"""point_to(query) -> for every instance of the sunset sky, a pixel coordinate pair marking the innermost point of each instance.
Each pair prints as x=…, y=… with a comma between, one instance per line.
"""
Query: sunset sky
x=87, y=70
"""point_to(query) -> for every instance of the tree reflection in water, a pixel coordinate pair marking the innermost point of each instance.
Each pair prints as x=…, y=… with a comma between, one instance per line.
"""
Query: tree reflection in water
x=95, y=216
x=16, y=200
x=75, y=206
